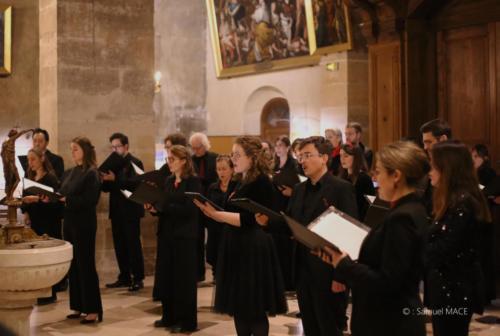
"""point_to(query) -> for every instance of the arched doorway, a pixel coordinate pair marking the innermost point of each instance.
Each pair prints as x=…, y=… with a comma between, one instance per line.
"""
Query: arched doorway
x=275, y=119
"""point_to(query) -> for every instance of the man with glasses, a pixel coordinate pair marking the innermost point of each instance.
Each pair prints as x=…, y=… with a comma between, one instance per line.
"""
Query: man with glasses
x=205, y=166
x=323, y=312
x=125, y=217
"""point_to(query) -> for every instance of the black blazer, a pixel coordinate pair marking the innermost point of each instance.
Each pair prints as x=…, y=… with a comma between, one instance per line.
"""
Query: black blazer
x=453, y=272
x=180, y=216
x=119, y=206
x=385, y=280
x=210, y=177
x=333, y=191
x=57, y=163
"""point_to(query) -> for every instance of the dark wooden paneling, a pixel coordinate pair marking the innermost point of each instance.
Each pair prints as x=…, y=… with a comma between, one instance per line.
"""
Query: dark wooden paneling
x=385, y=93
x=467, y=71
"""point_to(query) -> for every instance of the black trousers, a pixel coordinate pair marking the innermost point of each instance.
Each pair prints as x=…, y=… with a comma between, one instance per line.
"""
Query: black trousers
x=323, y=312
x=177, y=281
x=84, y=293
x=201, y=251
x=128, y=247
x=451, y=324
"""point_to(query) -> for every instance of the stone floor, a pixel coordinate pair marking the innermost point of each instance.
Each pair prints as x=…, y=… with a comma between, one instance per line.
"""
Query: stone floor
x=134, y=314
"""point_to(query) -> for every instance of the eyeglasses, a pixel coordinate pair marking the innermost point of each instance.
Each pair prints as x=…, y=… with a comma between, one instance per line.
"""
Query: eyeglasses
x=306, y=156
x=235, y=156
x=116, y=147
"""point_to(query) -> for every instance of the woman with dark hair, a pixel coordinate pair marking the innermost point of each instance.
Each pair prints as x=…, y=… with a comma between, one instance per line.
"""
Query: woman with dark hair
x=482, y=164
x=81, y=187
x=218, y=192
x=454, y=278
x=43, y=217
x=284, y=163
x=353, y=169
x=385, y=279
x=249, y=283
x=177, y=245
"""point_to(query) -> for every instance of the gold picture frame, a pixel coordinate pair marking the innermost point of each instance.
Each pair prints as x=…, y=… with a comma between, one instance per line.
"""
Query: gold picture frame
x=248, y=38
x=5, y=39
x=331, y=29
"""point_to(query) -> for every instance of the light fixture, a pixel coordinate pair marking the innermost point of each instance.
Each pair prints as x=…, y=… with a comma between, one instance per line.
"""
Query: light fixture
x=332, y=66
x=157, y=81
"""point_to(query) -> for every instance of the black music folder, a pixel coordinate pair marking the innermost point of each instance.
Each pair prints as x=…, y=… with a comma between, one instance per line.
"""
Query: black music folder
x=155, y=177
x=146, y=193
x=336, y=230
x=114, y=162
x=254, y=207
x=34, y=188
x=23, y=159
x=376, y=212
x=287, y=178
x=201, y=198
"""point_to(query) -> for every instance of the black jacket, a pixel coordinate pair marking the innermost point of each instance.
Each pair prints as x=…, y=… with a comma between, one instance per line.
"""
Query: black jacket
x=332, y=191
x=119, y=206
x=57, y=163
x=385, y=280
x=453, y=272
x=180, y=216
x=210, y=175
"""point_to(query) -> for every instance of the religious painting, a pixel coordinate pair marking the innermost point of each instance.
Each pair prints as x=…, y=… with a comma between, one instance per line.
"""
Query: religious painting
x=330, y=22
x=5, y=39
x=250, y=36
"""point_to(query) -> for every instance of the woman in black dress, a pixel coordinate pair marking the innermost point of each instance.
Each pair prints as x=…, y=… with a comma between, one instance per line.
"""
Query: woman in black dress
x=218, y=192
x=385, y=279
x=177, y=245
x=43, y=217
x=249, y=283
x=81, y=187
x=285, y=164
x=454, y=277
x=353, y=169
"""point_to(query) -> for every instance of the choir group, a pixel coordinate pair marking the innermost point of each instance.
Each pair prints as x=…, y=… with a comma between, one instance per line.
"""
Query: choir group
x=433, y=241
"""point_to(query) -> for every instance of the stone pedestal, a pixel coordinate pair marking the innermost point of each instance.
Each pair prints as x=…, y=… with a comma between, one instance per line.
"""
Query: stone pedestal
x=27, y=272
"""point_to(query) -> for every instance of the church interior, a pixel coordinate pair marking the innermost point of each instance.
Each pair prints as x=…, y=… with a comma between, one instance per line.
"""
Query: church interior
x=104, y=76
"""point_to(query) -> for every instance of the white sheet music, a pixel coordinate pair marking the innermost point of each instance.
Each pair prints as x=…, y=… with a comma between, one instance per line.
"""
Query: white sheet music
x=302, y=178
x=340, y=231
x=126, y=193
x=481, y=186
x=138, y=170
x=27, y=183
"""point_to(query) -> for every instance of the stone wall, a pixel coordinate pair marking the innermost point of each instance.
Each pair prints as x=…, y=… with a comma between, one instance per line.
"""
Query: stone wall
x=19, y=90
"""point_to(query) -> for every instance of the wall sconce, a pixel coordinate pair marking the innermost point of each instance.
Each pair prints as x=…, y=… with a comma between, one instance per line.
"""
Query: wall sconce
x=332, y=66
x=157, y=81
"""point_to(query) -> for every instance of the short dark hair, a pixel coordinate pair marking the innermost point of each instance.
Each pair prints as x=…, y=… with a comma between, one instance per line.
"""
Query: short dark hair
x=323, y=146
x=120, y=136
x=482, y=151
x=42, y=131
x=176, y=139
x=356, y=125
x=296, y=143
x=437, y=127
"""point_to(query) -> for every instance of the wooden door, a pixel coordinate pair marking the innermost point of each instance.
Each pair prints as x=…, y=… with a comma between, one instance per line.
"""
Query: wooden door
x=275, y=119
x=385, y=93
x=468, y=62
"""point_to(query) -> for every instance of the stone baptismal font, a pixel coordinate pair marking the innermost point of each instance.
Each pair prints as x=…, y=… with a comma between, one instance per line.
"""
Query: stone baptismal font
x=29, y=264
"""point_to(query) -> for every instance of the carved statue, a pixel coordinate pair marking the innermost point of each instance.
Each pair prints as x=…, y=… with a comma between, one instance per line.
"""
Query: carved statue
x=8, y=154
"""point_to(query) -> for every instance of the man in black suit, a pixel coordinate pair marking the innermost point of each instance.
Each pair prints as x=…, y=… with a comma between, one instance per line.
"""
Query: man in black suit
x=353, y=134
x=323, y=312
x=125, y=217
x=433, y=131
x=40, y=142
x=205, y=167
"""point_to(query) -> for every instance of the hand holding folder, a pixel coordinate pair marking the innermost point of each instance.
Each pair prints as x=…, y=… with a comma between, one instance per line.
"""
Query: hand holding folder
x=37, y=189
x=202, y=199
x=114, y=162
x=254, y=207
x=146, y=193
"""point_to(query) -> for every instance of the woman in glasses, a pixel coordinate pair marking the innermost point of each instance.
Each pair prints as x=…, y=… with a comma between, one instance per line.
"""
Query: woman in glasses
x=249, y=284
